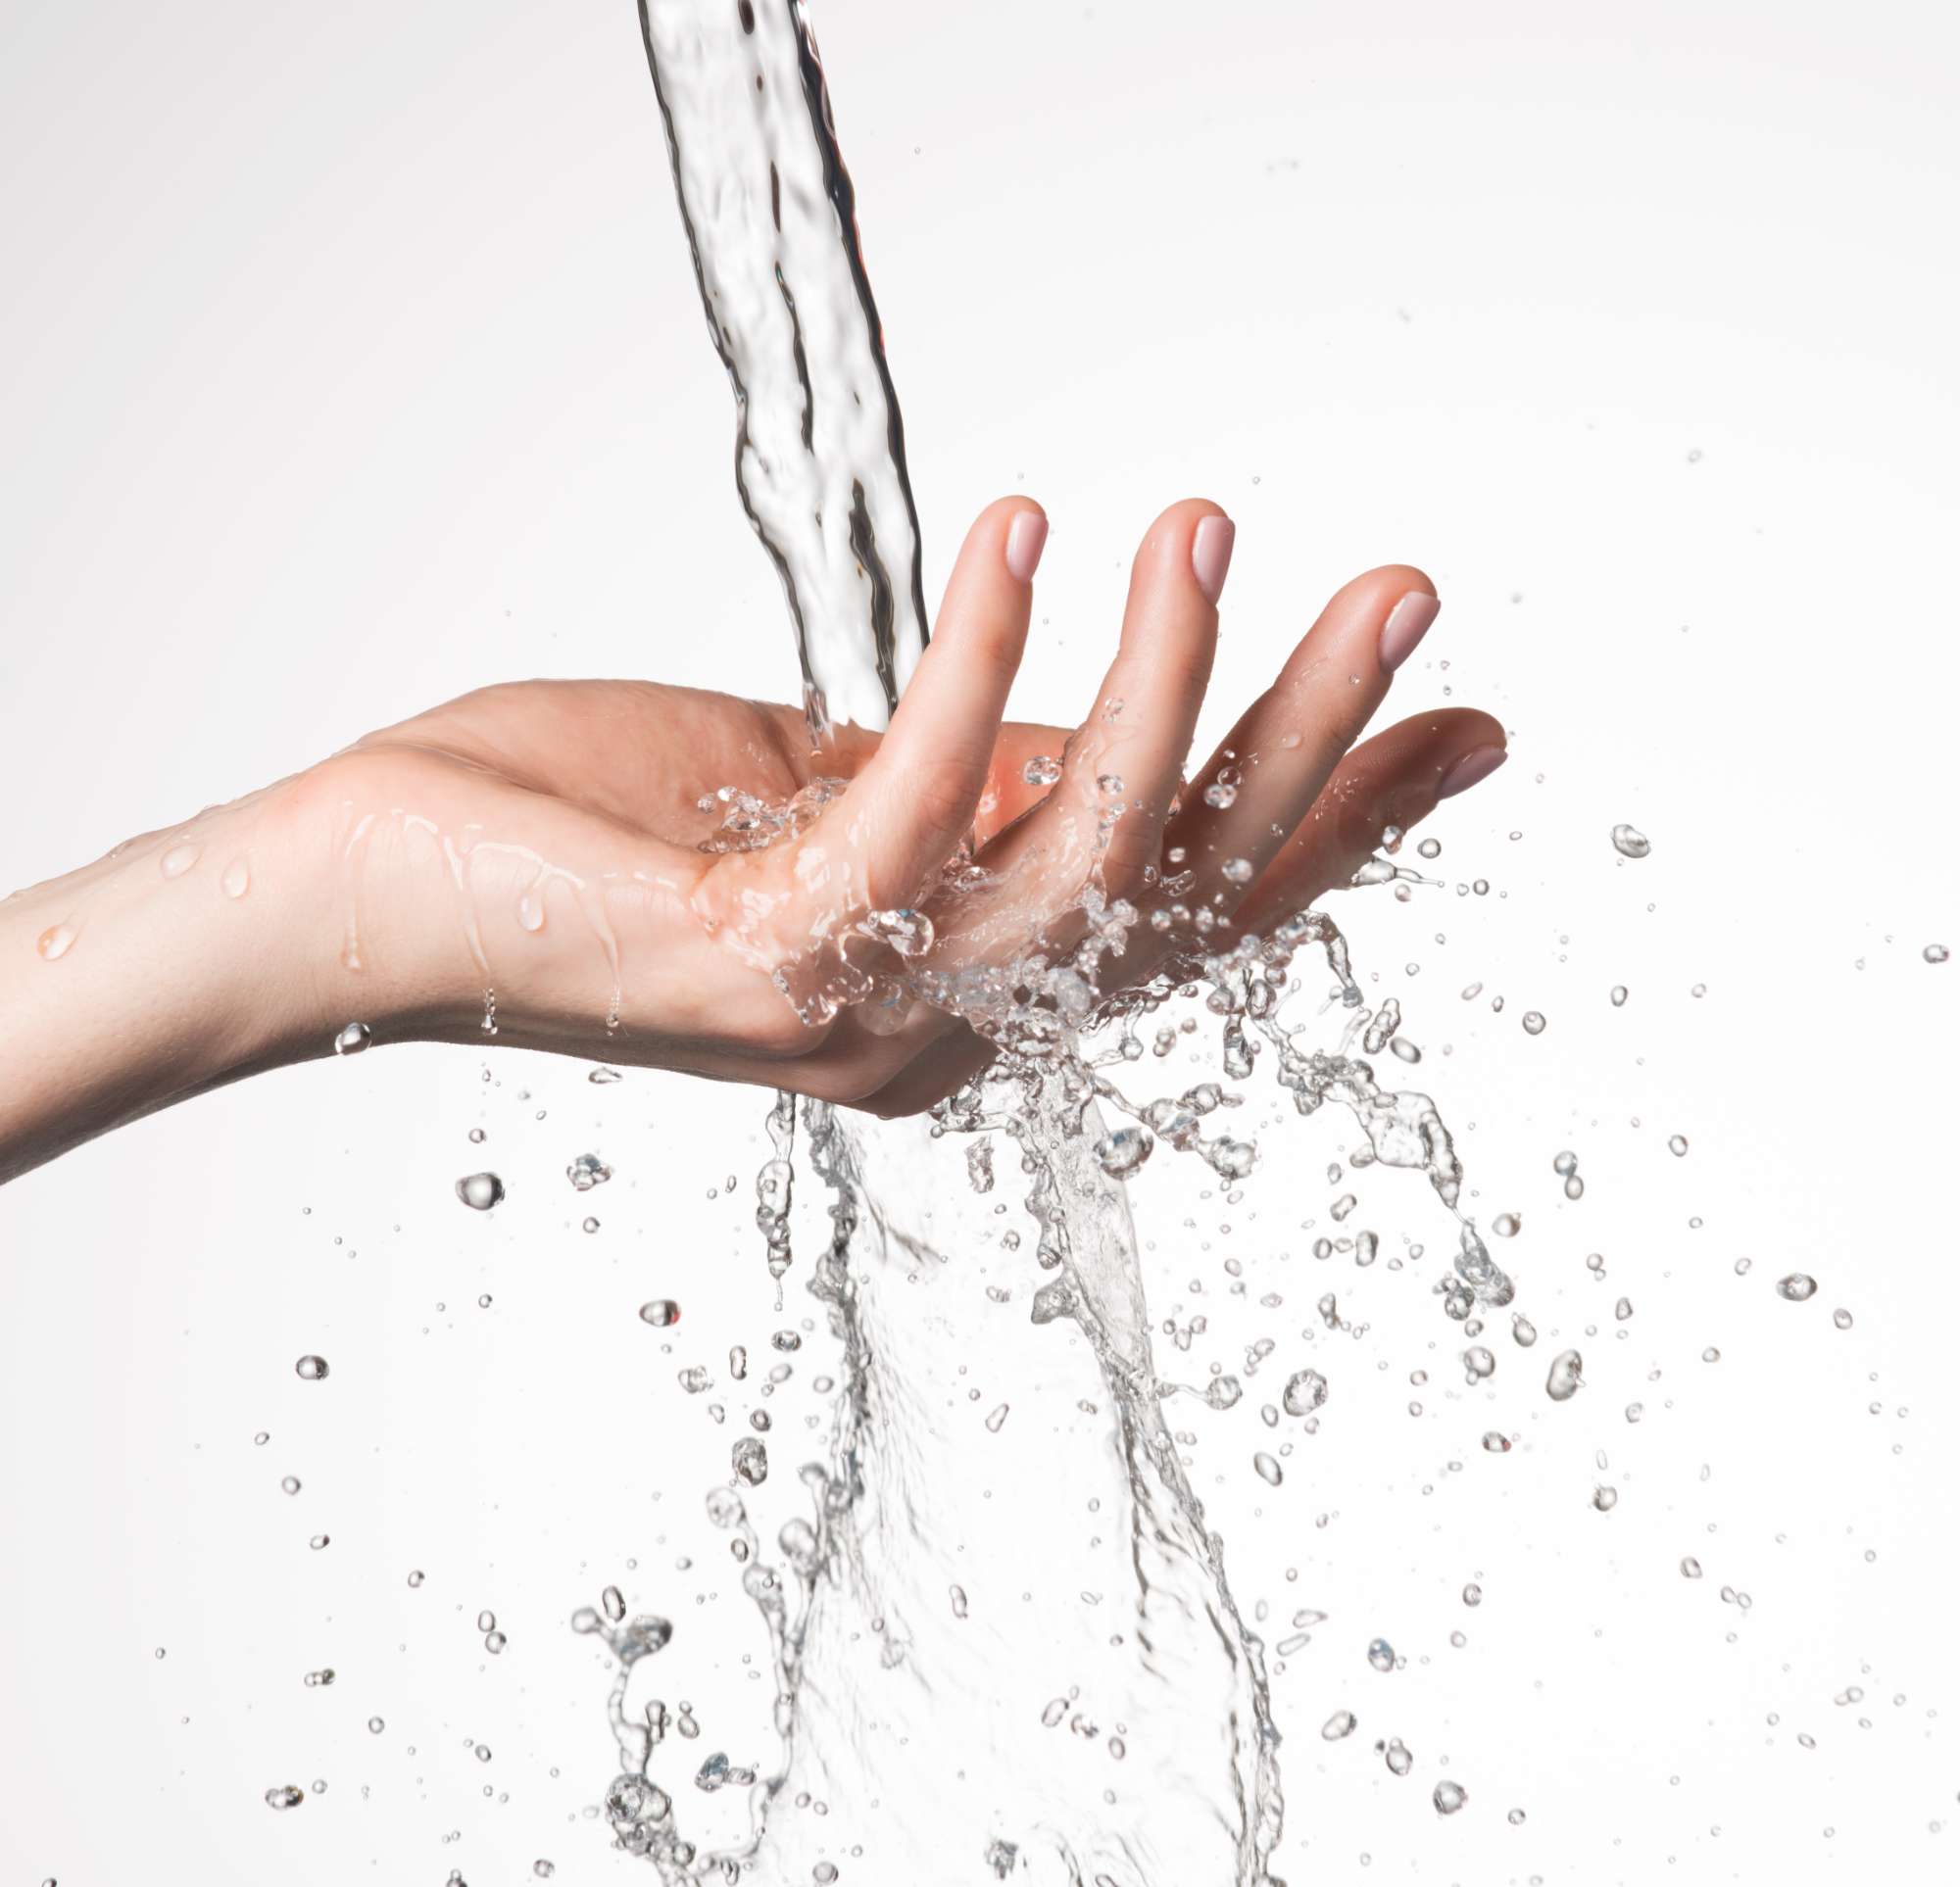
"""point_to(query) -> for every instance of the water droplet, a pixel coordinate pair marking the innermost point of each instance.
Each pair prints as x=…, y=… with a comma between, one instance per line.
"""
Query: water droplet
x=1044, y=770
x=1630, y=844
x=1678, y=1145
x=1121, y=1153
x=1381, y=1655
x=604, y=1076
x=1396, y=1756
x=53, y=942
x=416, y=1579
x=237, y=879
x=909, y=932
x=375, y=1726
x=1798, y=1287
x=290, y=1484
x=1431, y=848
x=1524, y=1332
x=285, y=1796
x=587, y=1171
x=1619, y=995
x=1605, y=1499
x=1508, y=1225
x=1690, y=1567
x=1496, y=1443
x=311, y=1368
x=751, y=1461
x=1306, y=1391
x=1450, y=1797
x=178, y=860
x=1564, y=1381
x=1934, y=953
x=996, y=1419
x=659, y=1311
x=1843, y=1319
x=1268, y=1469
x=353, y=1039
x=1238, y=871
x=480, y=1190
x=1340, y=1724
x=1473, y=1594
x=1534, y=1023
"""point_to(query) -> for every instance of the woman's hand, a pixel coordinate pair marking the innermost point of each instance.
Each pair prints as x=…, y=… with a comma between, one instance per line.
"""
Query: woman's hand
x=533, y=863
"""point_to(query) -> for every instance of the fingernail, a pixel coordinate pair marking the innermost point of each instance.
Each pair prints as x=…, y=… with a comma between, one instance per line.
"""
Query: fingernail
x=1026, y=537
x=1408, y=622
x=1212, y=554
x=1468, y=768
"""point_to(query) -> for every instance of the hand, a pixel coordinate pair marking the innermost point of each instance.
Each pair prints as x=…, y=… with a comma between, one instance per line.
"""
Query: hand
x=526, y=864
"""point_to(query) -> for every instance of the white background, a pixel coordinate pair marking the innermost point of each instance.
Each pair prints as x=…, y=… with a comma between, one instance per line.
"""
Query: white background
x=349, y=359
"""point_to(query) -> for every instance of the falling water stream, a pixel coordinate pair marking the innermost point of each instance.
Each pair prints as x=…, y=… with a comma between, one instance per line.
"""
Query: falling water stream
x=937, y=1711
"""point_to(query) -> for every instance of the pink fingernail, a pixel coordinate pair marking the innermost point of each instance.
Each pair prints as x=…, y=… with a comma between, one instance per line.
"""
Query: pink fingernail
x=1468, y=768
x=1212, y=554
x=1408, y=622
x=1026, y=537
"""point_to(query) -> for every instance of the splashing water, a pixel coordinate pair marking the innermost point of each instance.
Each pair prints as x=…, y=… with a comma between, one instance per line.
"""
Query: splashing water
x=1166, y=1769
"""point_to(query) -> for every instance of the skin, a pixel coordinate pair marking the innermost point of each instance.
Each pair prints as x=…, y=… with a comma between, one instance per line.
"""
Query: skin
x=569, y=811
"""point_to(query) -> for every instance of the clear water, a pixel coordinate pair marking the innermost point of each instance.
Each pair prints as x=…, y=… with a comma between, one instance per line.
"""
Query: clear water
x=1110, y=1719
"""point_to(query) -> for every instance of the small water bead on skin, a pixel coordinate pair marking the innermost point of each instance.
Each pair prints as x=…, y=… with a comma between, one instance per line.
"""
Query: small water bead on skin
x=178, y=860
x=237, y=879
x=1238, y=871
x=1340, y=1724
x=1044, y=770
x=480, y=1191
x=587, y=1171
x=353, y=1039
x=311, y=1368
x=1450, y=1797
x=909, y=932
x=1564, y=1381
x=659, y=1311
x=53, y=942
x=1797, y=1288
x=1630, y=842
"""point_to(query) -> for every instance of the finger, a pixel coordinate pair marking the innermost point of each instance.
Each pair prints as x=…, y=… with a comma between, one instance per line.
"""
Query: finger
x=1121, y=766
x=1270, y=769
x=1396, y=779
x=915, y=797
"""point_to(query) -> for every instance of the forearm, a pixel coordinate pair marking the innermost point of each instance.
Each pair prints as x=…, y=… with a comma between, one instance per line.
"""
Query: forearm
x=177, y=963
